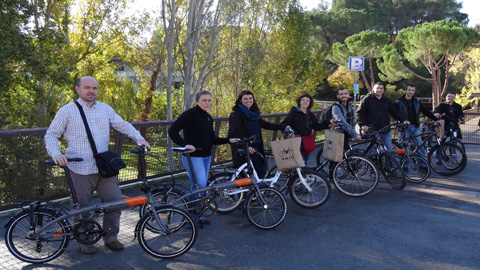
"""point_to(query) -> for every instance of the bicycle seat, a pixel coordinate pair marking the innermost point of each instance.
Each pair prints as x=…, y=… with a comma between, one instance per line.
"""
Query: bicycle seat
x=184, y=149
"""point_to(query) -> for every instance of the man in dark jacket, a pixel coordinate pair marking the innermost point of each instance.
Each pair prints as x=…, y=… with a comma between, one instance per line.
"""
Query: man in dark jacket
x=411, y=107
x=451, y=109
x=375, y=110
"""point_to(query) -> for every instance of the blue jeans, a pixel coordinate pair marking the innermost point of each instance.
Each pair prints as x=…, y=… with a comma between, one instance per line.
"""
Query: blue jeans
x=305, y=158
x=411, y=131
x=387, y=140
x=200, y=165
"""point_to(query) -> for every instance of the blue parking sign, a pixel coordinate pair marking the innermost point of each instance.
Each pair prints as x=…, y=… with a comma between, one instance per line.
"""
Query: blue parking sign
x=355, y=63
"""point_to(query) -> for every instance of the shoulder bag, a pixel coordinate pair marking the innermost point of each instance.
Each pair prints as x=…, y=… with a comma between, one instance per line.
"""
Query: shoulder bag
x=108, y=163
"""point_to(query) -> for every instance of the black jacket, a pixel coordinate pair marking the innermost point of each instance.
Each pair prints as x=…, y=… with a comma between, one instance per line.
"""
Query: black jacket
x=454, y=111
x=302, y=123
x=402, y=106
x=239, y=128
x=197, y=126
x=376, y=112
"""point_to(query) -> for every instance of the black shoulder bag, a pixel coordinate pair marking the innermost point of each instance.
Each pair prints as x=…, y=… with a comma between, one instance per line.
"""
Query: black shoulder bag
x=108, y=163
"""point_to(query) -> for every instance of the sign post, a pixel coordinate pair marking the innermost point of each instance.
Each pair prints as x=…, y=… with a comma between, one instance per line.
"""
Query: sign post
x=355, y=63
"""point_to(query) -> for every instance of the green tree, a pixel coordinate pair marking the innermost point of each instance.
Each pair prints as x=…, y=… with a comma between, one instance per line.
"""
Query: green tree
x=348, y=17
x=469, y=64
x=14, y=43
x=434, y=46
x=367, y=44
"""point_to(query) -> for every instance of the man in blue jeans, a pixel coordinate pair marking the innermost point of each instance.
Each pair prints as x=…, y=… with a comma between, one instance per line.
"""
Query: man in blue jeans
x=411, y=107
x=375, y=110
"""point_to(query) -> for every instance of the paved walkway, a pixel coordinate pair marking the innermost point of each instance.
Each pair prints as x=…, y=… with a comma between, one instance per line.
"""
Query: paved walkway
x=433, y=225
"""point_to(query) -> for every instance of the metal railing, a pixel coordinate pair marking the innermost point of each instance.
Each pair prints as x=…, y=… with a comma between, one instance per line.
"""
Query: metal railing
x=25, y=176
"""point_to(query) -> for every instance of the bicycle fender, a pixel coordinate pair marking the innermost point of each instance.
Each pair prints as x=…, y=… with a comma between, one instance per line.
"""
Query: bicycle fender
x=14, y=217
x=66, y=223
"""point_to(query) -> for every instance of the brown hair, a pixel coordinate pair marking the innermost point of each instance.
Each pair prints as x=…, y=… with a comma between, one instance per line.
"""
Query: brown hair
x=299, y=98
x=254, y=107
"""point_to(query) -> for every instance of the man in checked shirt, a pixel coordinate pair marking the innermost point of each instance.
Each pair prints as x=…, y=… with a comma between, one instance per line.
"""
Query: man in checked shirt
x=86, y=180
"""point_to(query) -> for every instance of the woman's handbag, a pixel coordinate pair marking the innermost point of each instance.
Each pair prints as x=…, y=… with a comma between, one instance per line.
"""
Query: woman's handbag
x=287, y=153
x=308, y=144
x=108, y=163
x=333, y=146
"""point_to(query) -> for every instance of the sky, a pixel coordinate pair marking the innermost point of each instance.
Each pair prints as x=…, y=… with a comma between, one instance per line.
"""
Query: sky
x=471, y=7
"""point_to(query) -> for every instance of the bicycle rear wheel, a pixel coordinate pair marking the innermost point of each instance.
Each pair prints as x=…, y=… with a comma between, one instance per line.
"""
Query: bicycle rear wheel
x=266, y=216
x=21, y=243
x=317, y=196
x=450, y=159
x=228, y=200
x=392, y=171
x=179, y=238
x=416, y=168
x=355, y=176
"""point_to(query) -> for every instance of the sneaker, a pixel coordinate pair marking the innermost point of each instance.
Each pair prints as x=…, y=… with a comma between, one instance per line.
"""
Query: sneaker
x=115, y=245
x=332, y=186
x=88, y=249
x=204, y=221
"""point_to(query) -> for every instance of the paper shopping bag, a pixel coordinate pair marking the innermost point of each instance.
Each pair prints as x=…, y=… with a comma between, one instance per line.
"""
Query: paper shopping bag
x=333, y=146
x=440, y=129
x=287, y=153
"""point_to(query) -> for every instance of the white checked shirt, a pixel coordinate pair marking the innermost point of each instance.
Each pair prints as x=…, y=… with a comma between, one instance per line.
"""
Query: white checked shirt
x=100, y=118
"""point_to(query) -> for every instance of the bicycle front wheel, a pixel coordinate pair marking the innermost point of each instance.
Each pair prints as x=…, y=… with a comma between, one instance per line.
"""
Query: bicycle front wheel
x=176, y=237
x=459, y=143
x=416, y=168
x=282, y=181
x=447, y=159
x=23, y=244
x=165, y=196
x=392, y=171
x=317, y=196
x=355, y=176
x=228, y=200
x=266, y=216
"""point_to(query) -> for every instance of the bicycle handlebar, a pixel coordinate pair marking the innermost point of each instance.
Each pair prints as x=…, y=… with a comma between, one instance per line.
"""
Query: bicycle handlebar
x=250, y=139
x=52, y=162
x=448, y=117
x=288, y=131
x=141, y=149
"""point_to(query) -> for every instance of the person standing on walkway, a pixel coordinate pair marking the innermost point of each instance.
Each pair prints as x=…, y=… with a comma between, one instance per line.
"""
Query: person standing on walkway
x=450, y=108
x=198, y=137
x=411, y=107
x=302, y=121
x=85, y=176
x=343, y=112
x=244, y=122
x=375, y=110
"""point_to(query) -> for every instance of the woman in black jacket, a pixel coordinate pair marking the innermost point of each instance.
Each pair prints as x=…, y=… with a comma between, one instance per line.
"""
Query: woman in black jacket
x=302, y=121
x=244, y=122
x=197, y=126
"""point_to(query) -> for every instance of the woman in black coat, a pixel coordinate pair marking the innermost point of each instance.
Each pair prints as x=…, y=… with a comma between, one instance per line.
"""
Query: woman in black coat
x=244, y=122
x=302, y=121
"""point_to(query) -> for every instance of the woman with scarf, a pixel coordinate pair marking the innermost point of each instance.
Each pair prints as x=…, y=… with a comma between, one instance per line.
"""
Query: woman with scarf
x=244, y=122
